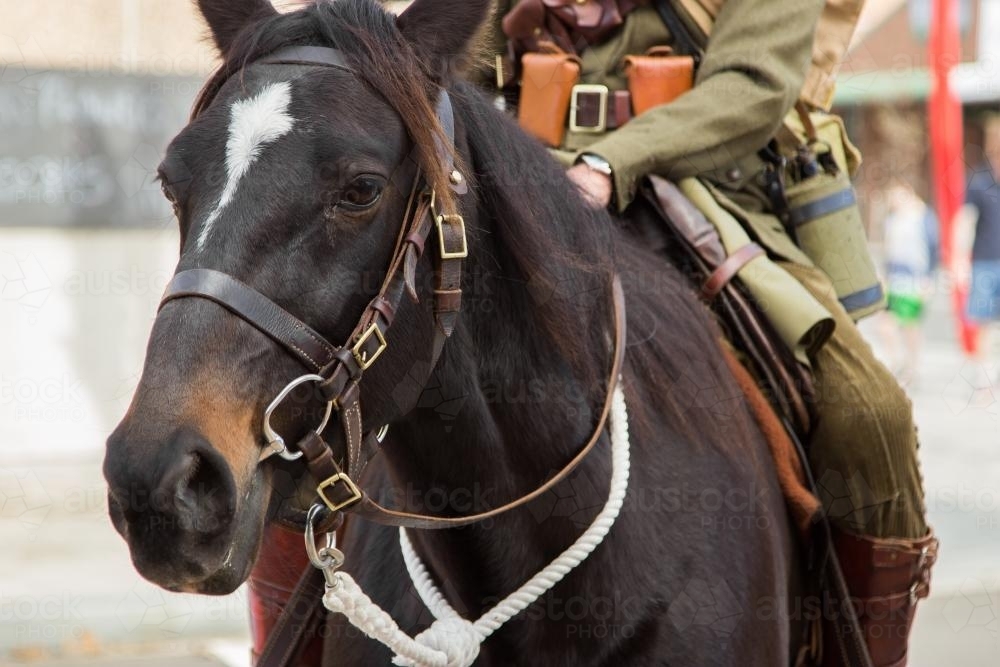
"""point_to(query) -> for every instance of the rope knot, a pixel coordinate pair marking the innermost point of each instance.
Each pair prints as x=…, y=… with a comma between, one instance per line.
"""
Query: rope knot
x=456, y=637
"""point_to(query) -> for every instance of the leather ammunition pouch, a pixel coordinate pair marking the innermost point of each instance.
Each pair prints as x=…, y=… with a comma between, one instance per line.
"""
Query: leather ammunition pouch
x=547, y=85
x=659, y=77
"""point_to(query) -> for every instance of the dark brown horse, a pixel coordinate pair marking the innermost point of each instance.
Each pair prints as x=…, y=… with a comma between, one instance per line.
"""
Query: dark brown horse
x=288, y=179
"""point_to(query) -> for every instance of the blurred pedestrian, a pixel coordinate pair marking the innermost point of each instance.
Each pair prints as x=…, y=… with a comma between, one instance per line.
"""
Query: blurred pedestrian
x=911, y=255
x=983, y=197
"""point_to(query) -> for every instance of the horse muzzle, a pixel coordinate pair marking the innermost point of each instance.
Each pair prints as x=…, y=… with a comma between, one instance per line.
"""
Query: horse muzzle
x=178, y=507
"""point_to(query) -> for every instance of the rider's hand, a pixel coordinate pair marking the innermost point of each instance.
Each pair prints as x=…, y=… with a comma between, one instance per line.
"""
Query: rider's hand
x=595, y=186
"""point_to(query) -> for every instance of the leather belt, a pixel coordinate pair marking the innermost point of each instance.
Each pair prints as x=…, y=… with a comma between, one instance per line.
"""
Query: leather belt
x=595, y=109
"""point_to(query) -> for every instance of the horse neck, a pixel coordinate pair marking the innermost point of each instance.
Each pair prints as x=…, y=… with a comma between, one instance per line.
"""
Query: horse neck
x=503, y=411
x=504, y=403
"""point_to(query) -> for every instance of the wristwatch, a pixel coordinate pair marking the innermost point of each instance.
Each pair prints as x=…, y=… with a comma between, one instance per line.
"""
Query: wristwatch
x=596, y=162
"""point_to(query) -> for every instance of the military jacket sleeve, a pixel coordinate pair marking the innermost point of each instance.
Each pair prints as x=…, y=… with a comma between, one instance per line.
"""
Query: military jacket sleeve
x=753, y=69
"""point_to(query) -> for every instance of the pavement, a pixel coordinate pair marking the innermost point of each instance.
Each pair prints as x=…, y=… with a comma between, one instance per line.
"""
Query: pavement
x=957, y=417
x=70, y=597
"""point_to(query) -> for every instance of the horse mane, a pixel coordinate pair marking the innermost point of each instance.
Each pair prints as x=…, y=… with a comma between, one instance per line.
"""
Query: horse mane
x=565, y=248
x=560, y=250
x=380, y=56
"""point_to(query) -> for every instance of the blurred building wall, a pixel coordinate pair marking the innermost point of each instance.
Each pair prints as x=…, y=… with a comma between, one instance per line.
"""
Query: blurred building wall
x=883, y=86
x=92, y=91
x=100, y=37
x=159, y=37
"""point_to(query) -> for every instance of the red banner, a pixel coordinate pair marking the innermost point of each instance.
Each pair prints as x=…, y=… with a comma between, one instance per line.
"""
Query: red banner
x=948, y=167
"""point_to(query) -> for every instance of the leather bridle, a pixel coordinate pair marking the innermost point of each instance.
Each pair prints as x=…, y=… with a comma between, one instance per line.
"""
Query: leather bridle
x=337, y=370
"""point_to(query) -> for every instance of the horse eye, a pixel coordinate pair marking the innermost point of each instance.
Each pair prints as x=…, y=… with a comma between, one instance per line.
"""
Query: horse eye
x=171, y=197
x=361, y=193
x=168, y=193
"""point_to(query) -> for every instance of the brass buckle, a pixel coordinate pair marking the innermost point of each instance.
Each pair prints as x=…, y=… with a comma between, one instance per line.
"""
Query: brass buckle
x=361, y=355
x=333, y=481
x=602, y=119
x=440, y=221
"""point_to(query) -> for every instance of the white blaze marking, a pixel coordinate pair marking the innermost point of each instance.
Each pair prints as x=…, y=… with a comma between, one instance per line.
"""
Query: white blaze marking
x=253, y=122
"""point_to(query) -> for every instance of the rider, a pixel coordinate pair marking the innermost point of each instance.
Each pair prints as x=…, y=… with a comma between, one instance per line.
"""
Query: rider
x=755, y=64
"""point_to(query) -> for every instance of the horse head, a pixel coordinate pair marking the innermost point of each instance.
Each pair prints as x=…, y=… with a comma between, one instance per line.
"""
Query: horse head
x=293, y=179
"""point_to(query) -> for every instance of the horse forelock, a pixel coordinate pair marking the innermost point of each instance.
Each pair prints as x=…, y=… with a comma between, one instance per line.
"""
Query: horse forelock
x=379, y=55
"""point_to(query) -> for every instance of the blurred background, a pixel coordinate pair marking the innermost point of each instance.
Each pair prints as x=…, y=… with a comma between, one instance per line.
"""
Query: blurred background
x=91, y=91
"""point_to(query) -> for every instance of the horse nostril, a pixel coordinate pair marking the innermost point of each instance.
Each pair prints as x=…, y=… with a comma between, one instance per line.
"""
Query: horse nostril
x=199, y=490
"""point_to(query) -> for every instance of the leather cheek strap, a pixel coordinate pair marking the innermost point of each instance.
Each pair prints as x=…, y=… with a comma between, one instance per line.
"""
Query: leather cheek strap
x=299, y=339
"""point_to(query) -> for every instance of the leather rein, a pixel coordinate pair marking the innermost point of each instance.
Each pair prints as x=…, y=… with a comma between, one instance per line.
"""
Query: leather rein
x=337, y=370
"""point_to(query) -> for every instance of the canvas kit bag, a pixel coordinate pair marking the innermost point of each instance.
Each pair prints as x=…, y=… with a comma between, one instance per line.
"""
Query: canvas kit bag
x=820, y=210
x=811, y=189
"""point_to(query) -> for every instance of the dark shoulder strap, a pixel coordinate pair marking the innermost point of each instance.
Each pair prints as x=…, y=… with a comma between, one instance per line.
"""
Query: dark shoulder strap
x=684, y=42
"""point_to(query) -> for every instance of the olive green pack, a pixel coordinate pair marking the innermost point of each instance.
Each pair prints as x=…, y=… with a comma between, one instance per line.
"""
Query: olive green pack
x=822, y=213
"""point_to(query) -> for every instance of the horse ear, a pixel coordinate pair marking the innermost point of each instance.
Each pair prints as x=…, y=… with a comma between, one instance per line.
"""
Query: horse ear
x=442, y=31
x=226, y=18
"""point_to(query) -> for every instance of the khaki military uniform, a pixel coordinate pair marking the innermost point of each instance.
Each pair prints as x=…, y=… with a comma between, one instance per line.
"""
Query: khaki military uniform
x=864, y=449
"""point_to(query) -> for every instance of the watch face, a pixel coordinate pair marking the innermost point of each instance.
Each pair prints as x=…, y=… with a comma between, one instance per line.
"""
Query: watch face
x=597, y=164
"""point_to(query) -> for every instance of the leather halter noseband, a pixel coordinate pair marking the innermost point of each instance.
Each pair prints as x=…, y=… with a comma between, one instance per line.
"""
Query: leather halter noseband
x=338, y=370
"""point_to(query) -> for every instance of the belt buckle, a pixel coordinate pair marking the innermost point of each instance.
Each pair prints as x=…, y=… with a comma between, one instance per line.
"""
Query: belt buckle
x=352, y=489
x=602, y=118
x=359, y=352
x=462, y=251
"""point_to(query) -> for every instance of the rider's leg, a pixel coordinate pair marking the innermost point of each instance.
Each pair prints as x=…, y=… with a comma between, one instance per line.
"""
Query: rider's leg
x=863, y=453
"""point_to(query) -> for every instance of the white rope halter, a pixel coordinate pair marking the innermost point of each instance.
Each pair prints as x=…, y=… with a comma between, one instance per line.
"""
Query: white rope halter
x=452, y=641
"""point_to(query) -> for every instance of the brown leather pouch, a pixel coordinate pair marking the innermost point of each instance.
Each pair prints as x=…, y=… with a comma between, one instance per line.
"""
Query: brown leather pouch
x=564, y=22
x=657, y=78
x=547, y=81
